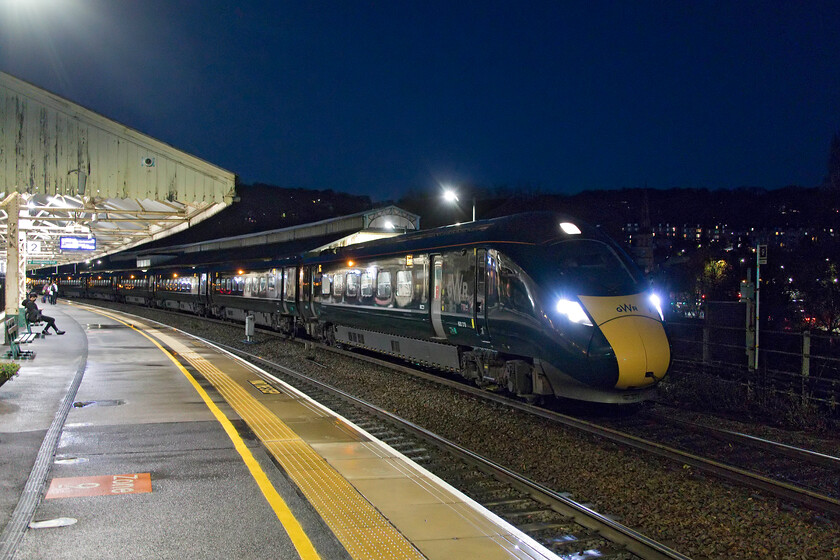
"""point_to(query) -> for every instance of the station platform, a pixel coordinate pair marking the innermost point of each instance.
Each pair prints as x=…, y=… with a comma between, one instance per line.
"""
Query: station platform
x=126, y=438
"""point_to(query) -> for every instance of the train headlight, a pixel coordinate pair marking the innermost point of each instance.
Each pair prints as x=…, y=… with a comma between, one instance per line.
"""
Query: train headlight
x=573, y=311
x=657, y=304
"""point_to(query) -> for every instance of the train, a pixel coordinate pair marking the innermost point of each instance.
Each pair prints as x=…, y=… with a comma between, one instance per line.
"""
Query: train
x=538, y=304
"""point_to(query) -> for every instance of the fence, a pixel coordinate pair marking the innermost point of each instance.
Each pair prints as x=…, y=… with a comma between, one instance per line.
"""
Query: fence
x=804, y=363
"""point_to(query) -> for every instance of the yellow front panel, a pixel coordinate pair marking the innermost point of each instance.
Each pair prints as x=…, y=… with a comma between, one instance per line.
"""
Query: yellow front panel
x=640, y=345
x=604, y=309
x=632, y=326
x=657, y=348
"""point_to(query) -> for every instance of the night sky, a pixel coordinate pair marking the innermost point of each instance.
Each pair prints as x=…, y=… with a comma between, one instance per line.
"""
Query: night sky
x=379, y=97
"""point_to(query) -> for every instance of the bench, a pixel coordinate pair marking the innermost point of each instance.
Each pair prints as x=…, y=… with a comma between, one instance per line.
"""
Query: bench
x=10, y=325
x=29, y=325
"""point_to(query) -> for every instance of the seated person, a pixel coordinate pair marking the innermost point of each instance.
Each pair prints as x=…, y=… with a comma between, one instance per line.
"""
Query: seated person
x=33, y=314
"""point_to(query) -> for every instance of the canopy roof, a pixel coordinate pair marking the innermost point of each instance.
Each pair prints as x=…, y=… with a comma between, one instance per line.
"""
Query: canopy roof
x=79, y=174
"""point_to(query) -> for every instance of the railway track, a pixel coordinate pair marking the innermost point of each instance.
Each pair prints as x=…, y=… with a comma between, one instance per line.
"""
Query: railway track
x=568, y=528
x=803, y=475
x=725, y=454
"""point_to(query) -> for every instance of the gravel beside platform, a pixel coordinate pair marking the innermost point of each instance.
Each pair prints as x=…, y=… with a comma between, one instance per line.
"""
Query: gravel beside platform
x=699, y=516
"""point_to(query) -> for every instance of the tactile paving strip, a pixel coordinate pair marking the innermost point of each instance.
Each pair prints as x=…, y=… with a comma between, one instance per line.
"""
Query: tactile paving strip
x=360, y=528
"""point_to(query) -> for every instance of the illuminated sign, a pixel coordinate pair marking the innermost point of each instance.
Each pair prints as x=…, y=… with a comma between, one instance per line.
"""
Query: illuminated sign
x=77, y=244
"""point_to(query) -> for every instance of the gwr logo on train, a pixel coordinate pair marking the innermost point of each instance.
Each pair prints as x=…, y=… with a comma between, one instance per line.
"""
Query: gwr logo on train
x=626, y=308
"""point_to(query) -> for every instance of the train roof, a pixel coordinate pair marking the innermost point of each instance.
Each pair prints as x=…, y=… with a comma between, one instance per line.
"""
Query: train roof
x=268, y=255
x=531, y=228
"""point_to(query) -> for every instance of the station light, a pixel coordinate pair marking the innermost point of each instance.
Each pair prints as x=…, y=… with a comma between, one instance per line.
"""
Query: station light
x=570, y=228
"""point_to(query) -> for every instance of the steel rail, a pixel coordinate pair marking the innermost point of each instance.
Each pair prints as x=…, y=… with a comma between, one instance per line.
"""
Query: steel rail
x=777, y=488
x=733, y=474
x=790, y=450
x=615, y=532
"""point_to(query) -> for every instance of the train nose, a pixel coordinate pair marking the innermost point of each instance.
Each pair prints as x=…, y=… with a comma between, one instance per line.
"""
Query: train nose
x=641, y=349
x=635, y=332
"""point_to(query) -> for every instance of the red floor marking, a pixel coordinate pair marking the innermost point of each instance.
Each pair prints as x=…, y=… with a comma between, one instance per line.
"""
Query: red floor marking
x=99, y=485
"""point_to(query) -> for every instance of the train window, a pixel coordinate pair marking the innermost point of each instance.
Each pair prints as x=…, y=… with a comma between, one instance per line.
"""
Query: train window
x=263, y=286
x=367, y=283
x=272, y=284
x=593, y=268
x=420, y=272
x=405, y=288
x=458, y=282
x=326, y=285
x=383, y=287
x=306, y=284
x=338, y=285
x=352, y=285
x=514, y=292
x=289, y=284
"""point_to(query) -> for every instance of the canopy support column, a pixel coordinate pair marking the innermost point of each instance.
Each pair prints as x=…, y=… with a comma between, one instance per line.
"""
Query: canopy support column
x=15, y=255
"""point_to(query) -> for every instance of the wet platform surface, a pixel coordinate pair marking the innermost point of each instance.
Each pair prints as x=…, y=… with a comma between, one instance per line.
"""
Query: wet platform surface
x=123, y=438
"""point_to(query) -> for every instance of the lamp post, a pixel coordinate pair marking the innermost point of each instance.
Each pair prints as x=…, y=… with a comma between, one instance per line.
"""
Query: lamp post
x=451, y=196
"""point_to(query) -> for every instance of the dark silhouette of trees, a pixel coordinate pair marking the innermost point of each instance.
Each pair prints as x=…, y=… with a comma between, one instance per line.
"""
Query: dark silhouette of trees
x=822, y=298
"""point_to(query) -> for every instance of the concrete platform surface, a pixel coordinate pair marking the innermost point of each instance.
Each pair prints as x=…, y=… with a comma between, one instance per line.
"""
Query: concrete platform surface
x=123, y=438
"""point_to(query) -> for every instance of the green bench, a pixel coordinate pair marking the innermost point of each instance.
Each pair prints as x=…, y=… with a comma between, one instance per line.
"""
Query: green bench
x=30, y=325
x=10, y=325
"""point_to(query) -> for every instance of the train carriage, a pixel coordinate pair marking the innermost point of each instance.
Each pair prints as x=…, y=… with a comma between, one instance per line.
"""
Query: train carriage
x=180, y=290
x=539, y=303
x=134, y=287
x=101, y=286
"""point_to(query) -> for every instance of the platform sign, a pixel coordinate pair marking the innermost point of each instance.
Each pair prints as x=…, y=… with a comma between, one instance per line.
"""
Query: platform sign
x=762, y=254
x=77, y=243
x=108, y=485
x=41, y=261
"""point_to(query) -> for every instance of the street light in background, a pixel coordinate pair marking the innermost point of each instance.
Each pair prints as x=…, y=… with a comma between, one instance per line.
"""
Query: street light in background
x=451, y=196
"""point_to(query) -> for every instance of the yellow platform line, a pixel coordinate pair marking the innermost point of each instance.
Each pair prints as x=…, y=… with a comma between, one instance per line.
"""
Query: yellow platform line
x=290, y=523
x=360, y=528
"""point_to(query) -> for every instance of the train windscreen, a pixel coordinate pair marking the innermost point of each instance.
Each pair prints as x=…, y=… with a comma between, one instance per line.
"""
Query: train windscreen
x=593, y=268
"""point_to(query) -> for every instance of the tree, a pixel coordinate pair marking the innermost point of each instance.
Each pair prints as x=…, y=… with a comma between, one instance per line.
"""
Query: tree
x=822, y=298
x=715, y=282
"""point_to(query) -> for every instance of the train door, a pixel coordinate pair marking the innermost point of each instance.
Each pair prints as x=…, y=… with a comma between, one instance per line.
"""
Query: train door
x=306, y=292
x=203, y=294
x=315, y=297
x=290, y=290
x=437, y=288
x=482, y=287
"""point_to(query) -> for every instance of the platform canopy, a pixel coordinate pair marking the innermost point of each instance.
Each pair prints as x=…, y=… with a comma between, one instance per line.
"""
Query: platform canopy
x=75, y=185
